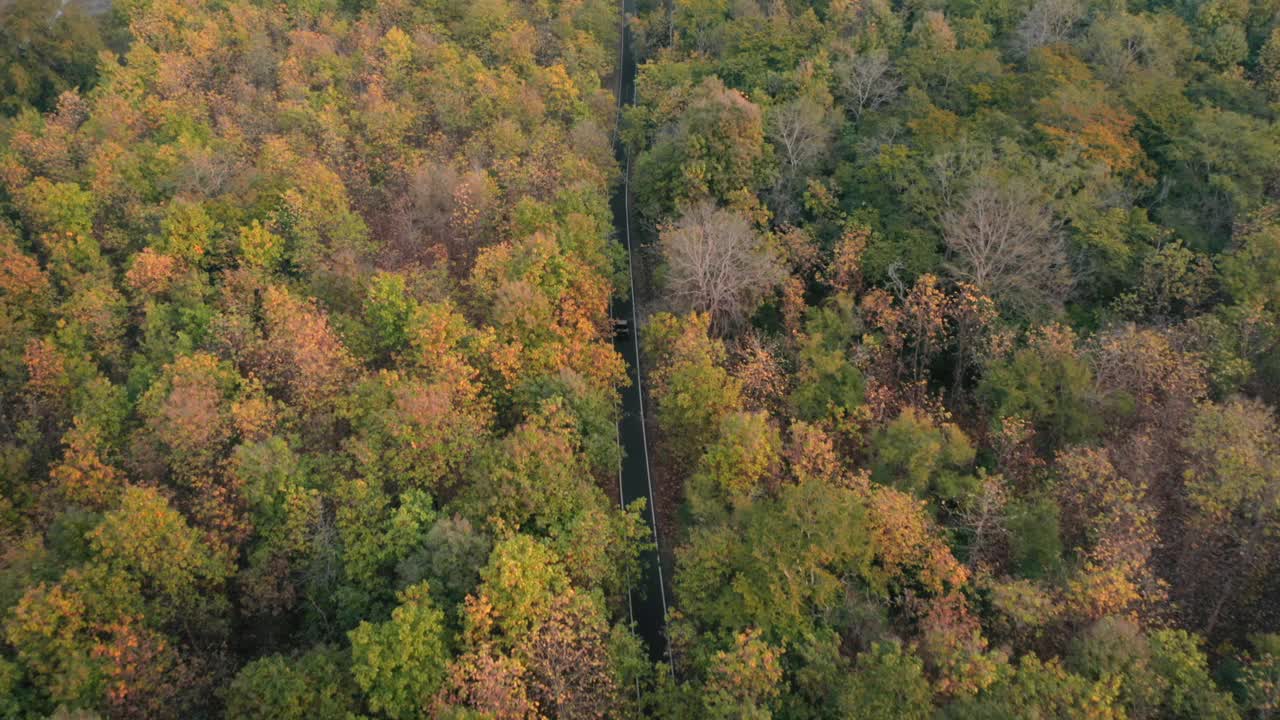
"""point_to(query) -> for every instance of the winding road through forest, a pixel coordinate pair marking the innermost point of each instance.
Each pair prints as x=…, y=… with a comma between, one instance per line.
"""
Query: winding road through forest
x=647, y=600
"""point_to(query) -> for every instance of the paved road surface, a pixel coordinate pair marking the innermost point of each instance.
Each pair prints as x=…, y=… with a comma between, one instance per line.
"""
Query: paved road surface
x=647, y=600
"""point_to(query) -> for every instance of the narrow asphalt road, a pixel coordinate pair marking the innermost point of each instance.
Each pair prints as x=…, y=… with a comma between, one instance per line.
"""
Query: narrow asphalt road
x=648, y=603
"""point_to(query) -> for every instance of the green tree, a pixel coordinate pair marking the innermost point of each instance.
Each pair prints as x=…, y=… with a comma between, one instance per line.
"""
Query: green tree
x=716, y=148
x=260, y=248
x=692, y=390
x=535, y=479
x=1035, y=545
x=1163, y=674
x=450, y=558
x=1050, y=383
x=286, y=512
x=1222, y=160
x=1233, y=489
x=1261, y=676
x=745, y=681
x=1251, y=268
x=828, y=383
x=736, y=468
x=377, y=530
x=410, y=432
x=1269, y=65
x=313, y=685
x=778, y=565
x=917, y=455
x=518, y=587
x=1177, y=658
x=887, y=681
x=145, y=539
x=388, y=308
x=400, y=664
x=594, y=407
x=1034, y=688
x=46, y=48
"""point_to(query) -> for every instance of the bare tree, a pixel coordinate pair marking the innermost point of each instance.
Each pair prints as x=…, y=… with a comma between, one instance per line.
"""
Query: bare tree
x=800, y=128
x=1046, y=23
x=418, y=216
x=867, y=81
x=436, y=205
x=718, y=264
x=983, y=514
x=1002, y=237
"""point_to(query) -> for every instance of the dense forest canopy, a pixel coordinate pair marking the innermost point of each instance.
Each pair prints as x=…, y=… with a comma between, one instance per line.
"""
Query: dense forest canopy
x=961, y=333
x=986, y=425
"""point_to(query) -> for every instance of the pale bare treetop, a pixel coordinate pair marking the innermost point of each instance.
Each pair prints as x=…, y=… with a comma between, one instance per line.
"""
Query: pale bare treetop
x=1046, y=23
x=867, y=81
x=1003, y=238
x=718, y=264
